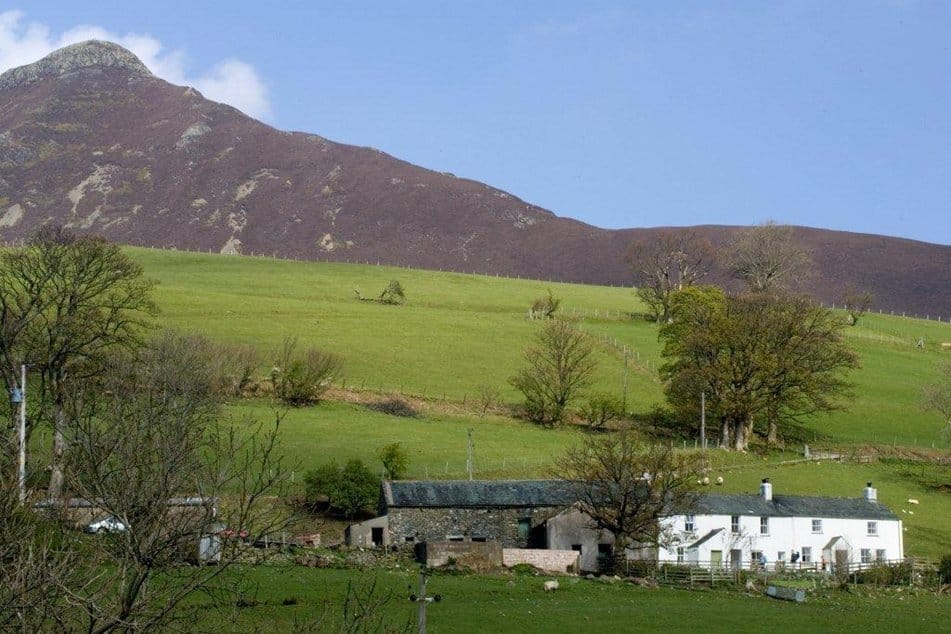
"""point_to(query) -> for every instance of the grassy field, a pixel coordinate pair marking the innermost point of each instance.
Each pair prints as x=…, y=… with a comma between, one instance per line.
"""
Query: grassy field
x=459, y=333
x=518, y=603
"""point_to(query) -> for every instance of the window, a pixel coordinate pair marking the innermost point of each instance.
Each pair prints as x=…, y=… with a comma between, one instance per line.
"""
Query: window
x=456, y=538
x=880, y=555
x=756, y=557
x=816, y=526
x=806, y=554
x=689, y=523
x=524, y=527
x=781, y=555
x=735, y=524
x=576, y=548
x=764, y=525
x=866, y=555
x=409, y=539
x=873, y=528
x=680, y=554
x=478, y=539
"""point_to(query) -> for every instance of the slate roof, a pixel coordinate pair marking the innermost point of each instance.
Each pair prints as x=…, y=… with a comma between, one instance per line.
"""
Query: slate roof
x=705, y=538
x=792, y=506
x=477, y=493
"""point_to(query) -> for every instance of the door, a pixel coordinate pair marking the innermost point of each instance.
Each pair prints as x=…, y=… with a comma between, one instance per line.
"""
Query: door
x=736, y=559
x=716, y=558
x=376, y=535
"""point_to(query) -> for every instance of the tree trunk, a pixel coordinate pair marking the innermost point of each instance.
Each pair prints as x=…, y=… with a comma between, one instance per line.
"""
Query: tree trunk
x=725, y=433
x=59, y=449
x=739, y=436
x=772, y=436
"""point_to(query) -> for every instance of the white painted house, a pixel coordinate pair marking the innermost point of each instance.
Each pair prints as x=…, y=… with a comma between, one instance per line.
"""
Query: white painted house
x=743, y=531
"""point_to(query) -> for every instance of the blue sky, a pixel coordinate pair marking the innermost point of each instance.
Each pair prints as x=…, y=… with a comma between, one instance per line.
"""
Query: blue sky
x=827, y=114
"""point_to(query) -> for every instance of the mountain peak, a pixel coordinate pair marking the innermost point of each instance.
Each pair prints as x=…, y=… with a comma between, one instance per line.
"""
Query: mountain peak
x=89, y=54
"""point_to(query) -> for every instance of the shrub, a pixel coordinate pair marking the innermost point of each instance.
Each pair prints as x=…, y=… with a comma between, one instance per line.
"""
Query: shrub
x=544, y=307
x=394, y=460
x=350, y=491
x=393, y=294
x=302, y=378
x=944, y=569
x=394, y=407
x=601, y=409
x=886, y=574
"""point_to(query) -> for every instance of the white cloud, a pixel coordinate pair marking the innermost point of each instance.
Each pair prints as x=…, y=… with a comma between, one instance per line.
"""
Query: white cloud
x=229, y=81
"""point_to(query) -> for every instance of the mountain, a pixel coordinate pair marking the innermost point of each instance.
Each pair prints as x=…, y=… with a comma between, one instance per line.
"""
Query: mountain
x=91, y=139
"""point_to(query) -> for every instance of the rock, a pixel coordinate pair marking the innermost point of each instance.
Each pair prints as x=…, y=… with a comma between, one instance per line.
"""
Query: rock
x=92, y=54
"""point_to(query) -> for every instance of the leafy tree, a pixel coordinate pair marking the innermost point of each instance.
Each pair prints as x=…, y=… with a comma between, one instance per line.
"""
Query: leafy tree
x=665, y=263
x=601, y=409
x=559, y=365
x=544, y=307
x=393, y=294
x=302, y=378
x=627, y=487
x=66, y=304
x=937, y=396
x=350, y=490
x=767, y=258
x=394, y=460
x=756, y=357
x=857, y=304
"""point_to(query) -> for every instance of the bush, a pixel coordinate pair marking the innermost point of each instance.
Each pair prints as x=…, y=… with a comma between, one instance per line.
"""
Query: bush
x=393, y=294
x=302, y=378
x=886, y=574
x=601, y=409
x=394, y=460
x=544, y=307
x=944, y=569
x=350, y=491
x=394, y=407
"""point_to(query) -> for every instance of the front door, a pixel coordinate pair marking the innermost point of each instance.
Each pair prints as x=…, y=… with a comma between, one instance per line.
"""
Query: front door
x=736, y=559
x=716, y=558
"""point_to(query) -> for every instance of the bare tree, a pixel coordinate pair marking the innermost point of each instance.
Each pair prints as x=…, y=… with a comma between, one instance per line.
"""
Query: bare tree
x=665, y=263
x=301, y=378
x=767, y=258
x=937, y=396
x=857, y=304
x=149, y=448
x=544, y=307
x=559, y=365
x=627, y=487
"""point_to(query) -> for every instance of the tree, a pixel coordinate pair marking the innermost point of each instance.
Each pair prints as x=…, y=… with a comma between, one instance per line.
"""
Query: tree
x=351, y=490
x=147, y=446
x=394, y=460
x=544, y=307
x=559, y=365
x=767, y=258
x=667, y=262
x=627, y=487
x=601, y=409
x=302, y=378
x=857, y=304
x=393, y=294
x=937, y=396
x=755, y=357
x=66, y=304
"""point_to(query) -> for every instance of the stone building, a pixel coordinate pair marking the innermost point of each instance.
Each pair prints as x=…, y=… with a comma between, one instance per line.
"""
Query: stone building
x=511, y=512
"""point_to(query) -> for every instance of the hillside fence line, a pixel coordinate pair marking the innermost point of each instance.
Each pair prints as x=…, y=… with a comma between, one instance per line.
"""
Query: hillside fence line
x=616, y=315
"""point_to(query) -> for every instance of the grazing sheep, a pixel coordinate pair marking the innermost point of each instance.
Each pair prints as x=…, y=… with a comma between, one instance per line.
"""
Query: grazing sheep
x=912, y=501
x=551, y=586
x=719, y=480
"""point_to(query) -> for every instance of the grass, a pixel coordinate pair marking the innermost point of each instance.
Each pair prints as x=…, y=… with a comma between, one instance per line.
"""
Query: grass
x=495, y=603
x=459, y=333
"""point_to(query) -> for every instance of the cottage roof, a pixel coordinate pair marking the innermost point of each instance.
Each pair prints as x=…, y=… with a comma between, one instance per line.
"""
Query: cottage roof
x=792, y=506
x=478, y=493
x=706, y=538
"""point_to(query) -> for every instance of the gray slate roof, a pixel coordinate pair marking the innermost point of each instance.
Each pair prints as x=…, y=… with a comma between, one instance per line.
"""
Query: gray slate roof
x=477, y=493
x=536, y=493
x=705, y=538
x=792, y=506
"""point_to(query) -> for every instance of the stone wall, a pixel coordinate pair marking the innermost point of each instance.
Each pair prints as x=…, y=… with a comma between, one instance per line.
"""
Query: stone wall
x=549, y=560
x=435, y=554
x=490, y=524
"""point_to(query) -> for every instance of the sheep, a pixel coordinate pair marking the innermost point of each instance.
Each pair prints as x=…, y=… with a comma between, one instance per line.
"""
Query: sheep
x=719, y=480
x=551, y=586
x=912, y=501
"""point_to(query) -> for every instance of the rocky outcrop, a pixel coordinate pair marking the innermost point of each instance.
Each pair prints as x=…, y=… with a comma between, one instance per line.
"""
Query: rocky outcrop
x=92, y=55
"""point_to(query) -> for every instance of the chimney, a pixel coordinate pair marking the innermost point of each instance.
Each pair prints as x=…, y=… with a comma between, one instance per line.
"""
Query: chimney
x=870, y=493
x=766, y=490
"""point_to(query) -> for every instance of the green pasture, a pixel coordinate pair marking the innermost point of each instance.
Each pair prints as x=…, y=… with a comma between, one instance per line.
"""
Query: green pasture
x=496, y=603
x=460, y=333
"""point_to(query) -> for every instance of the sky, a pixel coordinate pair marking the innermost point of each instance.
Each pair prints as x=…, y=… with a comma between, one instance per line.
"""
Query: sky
x=620, y=114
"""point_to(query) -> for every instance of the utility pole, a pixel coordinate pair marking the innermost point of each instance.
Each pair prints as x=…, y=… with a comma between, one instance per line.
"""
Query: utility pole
x=18, y=397
x=469, y=452
x=421, y=599
x=703, y=420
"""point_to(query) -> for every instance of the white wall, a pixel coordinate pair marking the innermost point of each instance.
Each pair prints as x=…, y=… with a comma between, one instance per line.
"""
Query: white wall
x=786, y=534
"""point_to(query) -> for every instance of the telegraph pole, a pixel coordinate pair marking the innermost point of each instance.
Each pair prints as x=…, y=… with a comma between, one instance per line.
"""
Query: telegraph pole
x=703, y=420
x=21, y=472
x=422, y=600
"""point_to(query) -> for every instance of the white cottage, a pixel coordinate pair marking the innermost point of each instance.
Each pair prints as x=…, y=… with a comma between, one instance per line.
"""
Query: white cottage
x=743, y=531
